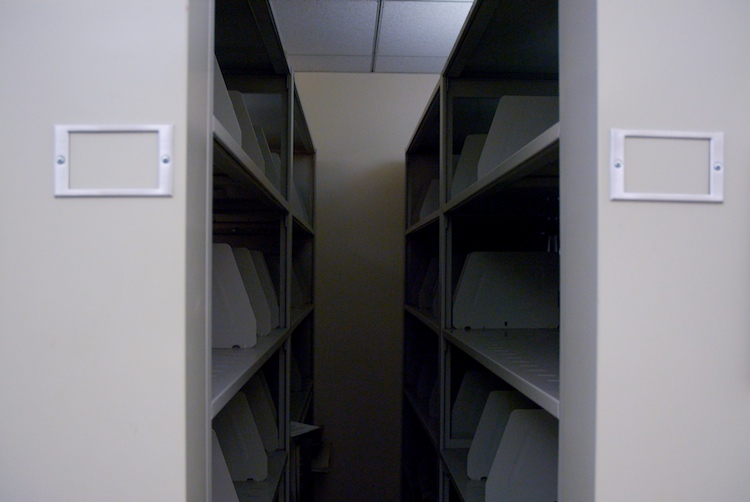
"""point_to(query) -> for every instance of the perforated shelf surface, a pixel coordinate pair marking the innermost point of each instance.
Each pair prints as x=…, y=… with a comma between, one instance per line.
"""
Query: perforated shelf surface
x=529, y=360
x=232, y=368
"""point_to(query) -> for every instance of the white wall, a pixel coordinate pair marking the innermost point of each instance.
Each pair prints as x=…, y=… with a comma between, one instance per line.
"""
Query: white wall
x=361, y=125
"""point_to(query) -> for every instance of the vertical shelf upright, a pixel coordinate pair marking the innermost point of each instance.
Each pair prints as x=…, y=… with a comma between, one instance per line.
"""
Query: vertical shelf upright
x=263, y=201
x=482, y=208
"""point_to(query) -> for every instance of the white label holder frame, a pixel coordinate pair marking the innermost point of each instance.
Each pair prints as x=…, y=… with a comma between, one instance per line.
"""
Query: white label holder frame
x=715, y=166
x=164, y=161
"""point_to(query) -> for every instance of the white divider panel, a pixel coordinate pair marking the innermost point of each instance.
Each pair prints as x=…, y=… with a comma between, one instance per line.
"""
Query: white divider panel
x=273, y=171
x=249, y=139
x=261, y=267
x=490, y=430
x=508, y=290
x=525, y=466
x=517, y=121
x=222, y=488
x=466, y=170
x=431, y=199
x=254, y=288
x=430, y=284
x=297, y=203
x=467, y=410
x=232, y=320
x=223, y=109
x=275, y=175
x=264, y=411
x=240, y=441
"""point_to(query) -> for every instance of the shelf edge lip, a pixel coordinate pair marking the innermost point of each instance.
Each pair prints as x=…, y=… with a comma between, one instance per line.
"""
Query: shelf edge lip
x=299, y=314
x=432, y=432
x=430, y=322
x=547, y=401
x=257, y=357
x=303, y=223
x=308, y=391
x=546, y=141
x=222, y=136
x=424, y=222
x=434, y=101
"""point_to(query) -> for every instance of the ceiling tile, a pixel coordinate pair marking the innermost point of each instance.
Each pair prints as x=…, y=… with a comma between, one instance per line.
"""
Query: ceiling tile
x=420, y=28
x=340, y=64
x=408, y=64
x=326, y=27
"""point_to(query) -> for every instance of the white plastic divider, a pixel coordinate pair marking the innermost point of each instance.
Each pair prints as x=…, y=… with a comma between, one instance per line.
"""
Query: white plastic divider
x=223, y=109
x=431, y=200
x=467, y=409
x=508, y=290
x=254, y=288
x=240, y=440
x=275, y=176
x=272, y=169
x=490, y=430
x=304, y=174
x=297, y=205
x=525, y=466
x=268, y=288
x=466, y=170
x=264, y=411
x=222, y=488
x=429, y=287
x=232, y=320
x=249, y=139
x=517, y=121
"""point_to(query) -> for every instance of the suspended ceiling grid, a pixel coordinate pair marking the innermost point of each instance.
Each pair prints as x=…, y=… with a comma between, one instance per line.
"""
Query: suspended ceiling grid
x=362, y=36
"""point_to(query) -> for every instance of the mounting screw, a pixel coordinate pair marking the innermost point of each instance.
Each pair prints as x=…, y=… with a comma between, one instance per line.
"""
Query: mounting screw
x=165, y=159
x=60, y=160
x=717, y=167
x=618, y=164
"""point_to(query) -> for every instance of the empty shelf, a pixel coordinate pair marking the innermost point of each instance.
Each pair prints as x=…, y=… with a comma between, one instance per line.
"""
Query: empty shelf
x=529, y=360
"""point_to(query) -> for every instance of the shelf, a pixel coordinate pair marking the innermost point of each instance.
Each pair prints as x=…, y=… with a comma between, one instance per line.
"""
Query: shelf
x=299, y=315
x=264, y=491
x=429, y=219
x=535, y=156
x=304, y=225
x=300, y=401
x=421, y=410
x=425, y=316
x=455, y=462
x=529, y=360
x=232, y=368
x=232, y=160
x=502, y=40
